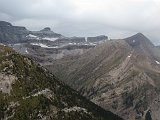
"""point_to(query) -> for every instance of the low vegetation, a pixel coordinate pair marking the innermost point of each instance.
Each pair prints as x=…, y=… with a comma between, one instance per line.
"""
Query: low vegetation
x=29, y=99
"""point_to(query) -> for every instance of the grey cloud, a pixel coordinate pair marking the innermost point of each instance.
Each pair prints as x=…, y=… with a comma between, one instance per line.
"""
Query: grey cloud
x=114, y=18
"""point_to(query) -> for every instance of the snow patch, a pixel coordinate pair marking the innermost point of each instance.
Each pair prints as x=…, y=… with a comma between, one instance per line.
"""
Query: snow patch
x=2, y=44
x=31, y=36
x=129, y=55
x=40, y=44
x=158, y=62
x=85, y=39
x=50, y=39
x=92, y=43
x=133, y=41
x=72, y=43
x=85, y=44
x=43, y=45
x=26, y=51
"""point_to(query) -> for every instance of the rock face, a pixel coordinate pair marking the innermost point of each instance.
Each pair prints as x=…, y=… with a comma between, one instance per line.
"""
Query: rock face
x=97, y=38
x=78, y=39
x=119, y=75
x=32, y=92
x=46, y=32
x=45, y=45
x=4, y=24
x=46, y=56
x=46, y=29
x=12, y=34
x=158, y=46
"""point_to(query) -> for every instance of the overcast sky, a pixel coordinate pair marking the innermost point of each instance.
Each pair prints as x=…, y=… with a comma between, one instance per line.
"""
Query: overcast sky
x=114, y=18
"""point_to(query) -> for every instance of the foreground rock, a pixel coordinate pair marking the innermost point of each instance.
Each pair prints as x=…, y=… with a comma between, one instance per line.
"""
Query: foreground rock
x=29, y=92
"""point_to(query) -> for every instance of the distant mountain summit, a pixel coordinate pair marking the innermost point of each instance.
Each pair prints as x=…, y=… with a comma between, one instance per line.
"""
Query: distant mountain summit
x=46, y=29
x=10, y=34
x=45, y=45
x=138, y=40
x=4, y=24
x=142, y=44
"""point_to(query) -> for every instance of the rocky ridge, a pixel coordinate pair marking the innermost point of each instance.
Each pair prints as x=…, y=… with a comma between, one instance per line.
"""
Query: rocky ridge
x=28, y=91
x=119, y=75
x=53, y=45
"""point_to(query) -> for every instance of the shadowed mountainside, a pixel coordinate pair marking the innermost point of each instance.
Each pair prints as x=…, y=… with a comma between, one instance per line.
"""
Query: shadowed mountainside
x=119, y=75
x=28, y=91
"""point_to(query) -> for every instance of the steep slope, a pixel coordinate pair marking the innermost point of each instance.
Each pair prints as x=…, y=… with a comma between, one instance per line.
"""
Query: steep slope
x=119, y=75
x=158, y=46
x=45, y=45
x=139, y=41
x=45, y=56
x=29, y=92
x=10, y=34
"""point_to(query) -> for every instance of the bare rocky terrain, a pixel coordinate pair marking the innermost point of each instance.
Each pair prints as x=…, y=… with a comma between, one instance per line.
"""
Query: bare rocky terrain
x=45, y=45
x=30, y=92
x=119, y=75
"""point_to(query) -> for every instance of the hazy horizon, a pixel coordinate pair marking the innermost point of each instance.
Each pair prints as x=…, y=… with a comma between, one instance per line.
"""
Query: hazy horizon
x=116, y=19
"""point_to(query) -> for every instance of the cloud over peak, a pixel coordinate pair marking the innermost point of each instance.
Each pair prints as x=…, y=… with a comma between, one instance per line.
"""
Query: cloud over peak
x=86, y=17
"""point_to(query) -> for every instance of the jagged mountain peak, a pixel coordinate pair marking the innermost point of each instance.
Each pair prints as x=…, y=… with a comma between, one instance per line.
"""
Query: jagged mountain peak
x=10, y=34
x=4, y=23
x=46, y=29
x=97, y=38
x=138, y=40
x=138, y=36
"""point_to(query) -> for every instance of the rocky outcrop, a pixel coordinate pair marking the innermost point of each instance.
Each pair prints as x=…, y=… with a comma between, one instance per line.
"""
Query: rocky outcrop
x=74, y=40
x=46, y=32
x=6, y=82
x=4, y=24
x=46, y=29
x=97, y=38
x=10, y=34
x=78, y=39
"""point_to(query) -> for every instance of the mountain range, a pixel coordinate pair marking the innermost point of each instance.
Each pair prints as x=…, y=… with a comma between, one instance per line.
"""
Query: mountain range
x=45, y=45
x=120, y=75
x=30, y=92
